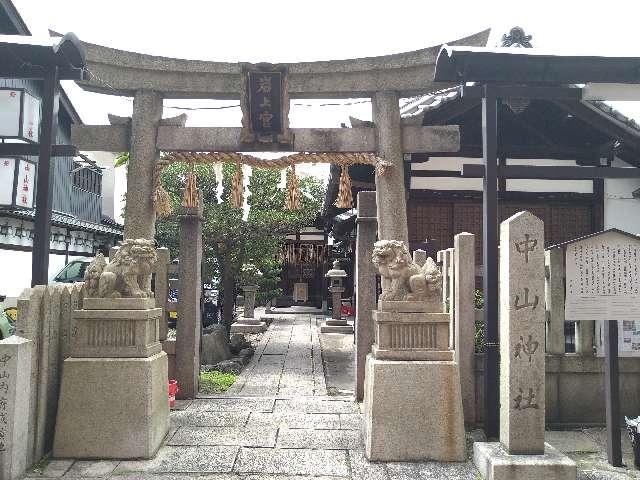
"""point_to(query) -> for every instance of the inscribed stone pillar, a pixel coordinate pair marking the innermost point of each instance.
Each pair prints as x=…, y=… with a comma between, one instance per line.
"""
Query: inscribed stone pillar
x=16, y=354
x=522, y=331
x=140, y=218
x=390, y=190
x=161, y=291
x=249, y=300
x=554, y=299
x=365, y=284
x=464, y=310
x=420, y=257
x=189, y=323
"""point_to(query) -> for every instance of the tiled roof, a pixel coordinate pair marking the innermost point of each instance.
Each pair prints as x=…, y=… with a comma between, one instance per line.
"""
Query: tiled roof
x=67, y=221
x=417, y=106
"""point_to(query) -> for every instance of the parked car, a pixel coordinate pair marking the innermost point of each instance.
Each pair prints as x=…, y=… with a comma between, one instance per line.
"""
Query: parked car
x=210, y=308
x=73, y=271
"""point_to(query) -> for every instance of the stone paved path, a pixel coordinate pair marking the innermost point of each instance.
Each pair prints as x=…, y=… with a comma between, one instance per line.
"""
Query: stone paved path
x=278, y=423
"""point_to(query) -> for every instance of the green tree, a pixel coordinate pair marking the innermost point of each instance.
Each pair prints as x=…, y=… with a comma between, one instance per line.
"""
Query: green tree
x=229, y=241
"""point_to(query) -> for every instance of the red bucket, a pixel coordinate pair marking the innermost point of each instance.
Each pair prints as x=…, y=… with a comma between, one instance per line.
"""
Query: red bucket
x=173, y=389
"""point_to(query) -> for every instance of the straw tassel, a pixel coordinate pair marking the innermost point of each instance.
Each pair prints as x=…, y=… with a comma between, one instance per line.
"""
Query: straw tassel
x=162, y=202
x=292, y=198
x=237, y=187
x=190, y=194
x=345, y=197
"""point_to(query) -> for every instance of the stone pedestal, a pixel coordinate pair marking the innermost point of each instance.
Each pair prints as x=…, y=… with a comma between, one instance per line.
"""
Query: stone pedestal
x=412, y=398
x=494, y=463
x=248, y=323
x=413, y=411
x=113, y=404
x=336, y=324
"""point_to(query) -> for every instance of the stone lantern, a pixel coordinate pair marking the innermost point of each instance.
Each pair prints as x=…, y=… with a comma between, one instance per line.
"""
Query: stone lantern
x=336, y=324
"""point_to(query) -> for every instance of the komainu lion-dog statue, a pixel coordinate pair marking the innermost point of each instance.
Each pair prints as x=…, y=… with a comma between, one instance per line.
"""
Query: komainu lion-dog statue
x=128, y=275
x=409, y=281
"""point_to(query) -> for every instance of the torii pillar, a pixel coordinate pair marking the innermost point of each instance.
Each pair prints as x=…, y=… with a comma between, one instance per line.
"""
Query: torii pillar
x=390, y=191
x=140, y=218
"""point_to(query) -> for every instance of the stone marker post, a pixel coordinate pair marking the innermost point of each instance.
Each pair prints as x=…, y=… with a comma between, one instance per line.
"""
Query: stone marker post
x=464, y=310
x=249, y=300
x=189, y=323
x=522, y=333
x=522, y=452
x=554, y=299
x=365, y=284
x=16, y=355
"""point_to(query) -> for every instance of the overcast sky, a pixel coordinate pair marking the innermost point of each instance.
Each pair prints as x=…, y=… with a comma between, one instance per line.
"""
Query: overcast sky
x=289, y=31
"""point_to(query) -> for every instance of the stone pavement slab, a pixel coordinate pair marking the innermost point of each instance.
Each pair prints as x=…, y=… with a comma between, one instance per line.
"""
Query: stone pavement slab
x=53, y=469
x=296, y=420
x=319, y=439
x=90, y=468
x=207, y=459
x=196, y=418
x=174, y=476
x=351, y=421
x=433, y=471
x=570, y=442
x=292, y=462
x=315, y=405
x=233, y=404
x=263, y=436
x=363, y=469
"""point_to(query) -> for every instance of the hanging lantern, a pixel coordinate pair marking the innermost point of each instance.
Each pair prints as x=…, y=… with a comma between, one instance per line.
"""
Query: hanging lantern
x=345, y=197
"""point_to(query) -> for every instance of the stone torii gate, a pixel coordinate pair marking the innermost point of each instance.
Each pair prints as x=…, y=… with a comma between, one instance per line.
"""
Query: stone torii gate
x=150, y=79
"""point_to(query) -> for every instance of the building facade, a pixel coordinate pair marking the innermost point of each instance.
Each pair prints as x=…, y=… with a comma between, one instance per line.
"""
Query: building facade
x=79, y=227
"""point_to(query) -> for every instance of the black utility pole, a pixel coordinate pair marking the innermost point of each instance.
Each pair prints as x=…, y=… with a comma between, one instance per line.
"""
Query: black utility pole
x=44, y=182
x=612, y=392
x=490, y=261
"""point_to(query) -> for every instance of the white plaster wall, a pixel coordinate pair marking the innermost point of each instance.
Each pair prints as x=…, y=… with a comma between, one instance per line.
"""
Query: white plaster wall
x=114, y=184
x=15, y=272
x=621, y=210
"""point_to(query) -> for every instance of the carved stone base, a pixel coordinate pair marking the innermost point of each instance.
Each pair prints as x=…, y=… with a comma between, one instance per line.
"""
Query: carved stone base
x=411, y=335
x=494, y=463
x=413, y=411
x=108, y=333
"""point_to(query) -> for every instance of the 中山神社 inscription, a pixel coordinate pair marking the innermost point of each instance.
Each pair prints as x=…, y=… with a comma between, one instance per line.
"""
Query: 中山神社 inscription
x=603, y=278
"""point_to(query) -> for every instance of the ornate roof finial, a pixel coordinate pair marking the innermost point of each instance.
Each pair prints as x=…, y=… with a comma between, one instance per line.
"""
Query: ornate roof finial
x=516, y=38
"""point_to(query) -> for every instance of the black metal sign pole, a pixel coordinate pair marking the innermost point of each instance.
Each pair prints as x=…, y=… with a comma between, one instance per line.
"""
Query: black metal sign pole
x=490, y=261
x=612, y=392
x=44, y=182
